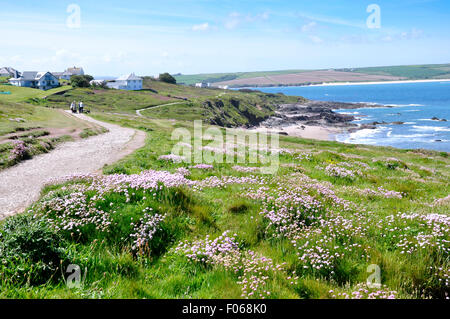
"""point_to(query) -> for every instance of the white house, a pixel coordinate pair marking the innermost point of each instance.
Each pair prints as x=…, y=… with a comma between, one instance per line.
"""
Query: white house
x=9, y=72
x=36, y=80
x=202, y=85
x=126, y=82
x=68, y=73
x=75, y=71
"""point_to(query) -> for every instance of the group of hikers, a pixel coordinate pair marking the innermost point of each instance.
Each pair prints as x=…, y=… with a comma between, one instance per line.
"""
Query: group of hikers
x=74, y=108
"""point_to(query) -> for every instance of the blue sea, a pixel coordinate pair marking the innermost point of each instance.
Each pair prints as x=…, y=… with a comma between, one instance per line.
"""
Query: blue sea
x=415, y=104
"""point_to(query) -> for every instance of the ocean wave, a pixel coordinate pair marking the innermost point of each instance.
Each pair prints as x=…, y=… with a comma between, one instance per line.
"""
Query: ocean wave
x=431, y=128
x=389, y=104
x=349, y=113
x=403, y=105
x=364, y=136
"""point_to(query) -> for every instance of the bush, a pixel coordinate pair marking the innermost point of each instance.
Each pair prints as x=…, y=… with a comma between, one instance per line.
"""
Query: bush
x=30, y=251
x=166, y=77
x=81, y=81
x=19, y=152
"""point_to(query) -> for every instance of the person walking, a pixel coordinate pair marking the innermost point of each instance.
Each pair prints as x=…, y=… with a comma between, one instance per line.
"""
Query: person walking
x=73, y=107
x=81, y=107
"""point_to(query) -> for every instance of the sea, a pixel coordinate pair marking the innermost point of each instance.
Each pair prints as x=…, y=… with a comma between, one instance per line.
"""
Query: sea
x=415, y=104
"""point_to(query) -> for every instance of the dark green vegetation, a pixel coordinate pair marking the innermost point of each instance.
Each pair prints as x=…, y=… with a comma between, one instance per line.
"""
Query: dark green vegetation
x=167, y=78
x=81, y=81
x=411, y=72
x=346, y=207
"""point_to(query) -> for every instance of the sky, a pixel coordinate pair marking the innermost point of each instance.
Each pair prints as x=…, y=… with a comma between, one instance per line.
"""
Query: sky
x=148, y=37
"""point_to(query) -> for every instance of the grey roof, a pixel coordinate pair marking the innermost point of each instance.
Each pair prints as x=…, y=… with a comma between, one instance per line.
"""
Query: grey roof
x=61, y=73
x=33, y=75
x=29, y=75
x=74, y=70
x=128, y=77
x=9, y=70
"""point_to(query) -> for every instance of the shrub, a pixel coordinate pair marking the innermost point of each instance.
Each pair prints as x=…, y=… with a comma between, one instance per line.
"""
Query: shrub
x=30, y=251
x=20, y=151
x=81, y=81
x=167, y=78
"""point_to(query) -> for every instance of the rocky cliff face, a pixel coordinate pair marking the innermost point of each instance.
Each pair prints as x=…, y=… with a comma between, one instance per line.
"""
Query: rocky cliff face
x=315, y=113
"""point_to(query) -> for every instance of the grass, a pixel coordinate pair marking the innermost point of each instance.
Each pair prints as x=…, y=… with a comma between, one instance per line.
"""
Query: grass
x=88, y=132
x=33, y=125
x=20, y=94
x=411, y=72
x=388, y=210
x=369, y=232
x=230, y=108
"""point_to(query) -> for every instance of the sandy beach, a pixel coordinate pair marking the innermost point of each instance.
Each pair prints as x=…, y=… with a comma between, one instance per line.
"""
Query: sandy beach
x=379, y=82
x=304, y=131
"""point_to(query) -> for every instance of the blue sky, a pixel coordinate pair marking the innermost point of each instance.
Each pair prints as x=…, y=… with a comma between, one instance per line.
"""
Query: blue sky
x=204, y=36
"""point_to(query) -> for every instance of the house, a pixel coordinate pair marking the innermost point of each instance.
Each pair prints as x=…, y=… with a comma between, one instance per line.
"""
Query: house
x=9, y=72
x=75, y=71
x=68, y=73
x=202, y=85
x=126, y=82
x=62, y=75
x=36, y=80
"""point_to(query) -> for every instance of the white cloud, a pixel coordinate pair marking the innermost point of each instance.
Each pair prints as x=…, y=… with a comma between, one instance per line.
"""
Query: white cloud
x=264, y=16
x=233, y=20
x=201, y=27
x=315, y=39
x=309, y=27
x=413, y=34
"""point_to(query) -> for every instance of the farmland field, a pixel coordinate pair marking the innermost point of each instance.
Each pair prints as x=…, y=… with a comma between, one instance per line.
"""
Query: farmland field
x=308, y=77
x=299, y=77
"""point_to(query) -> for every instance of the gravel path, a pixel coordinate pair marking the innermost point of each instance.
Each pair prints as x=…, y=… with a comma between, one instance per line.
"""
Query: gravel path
x=138, y=112
x=21, y=184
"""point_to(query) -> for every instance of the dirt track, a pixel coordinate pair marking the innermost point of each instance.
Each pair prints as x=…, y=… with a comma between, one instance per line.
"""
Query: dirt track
x=20, y=185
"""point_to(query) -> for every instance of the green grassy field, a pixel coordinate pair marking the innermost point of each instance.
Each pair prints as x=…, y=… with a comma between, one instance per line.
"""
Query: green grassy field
x=411, y=72
x=224, y=108
x=39, y=128
x=157, y=227
x=378, y=206
x=20, y=94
